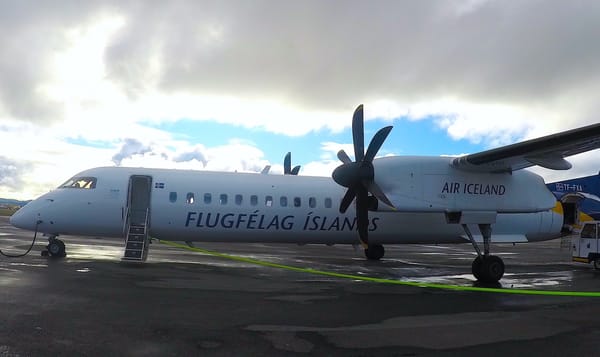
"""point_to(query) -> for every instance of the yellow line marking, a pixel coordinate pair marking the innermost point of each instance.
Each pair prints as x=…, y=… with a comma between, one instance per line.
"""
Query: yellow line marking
x=382, y=280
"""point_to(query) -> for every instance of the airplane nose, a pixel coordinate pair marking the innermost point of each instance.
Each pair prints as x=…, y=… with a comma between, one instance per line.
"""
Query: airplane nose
x=17, y=219
x=23, y=219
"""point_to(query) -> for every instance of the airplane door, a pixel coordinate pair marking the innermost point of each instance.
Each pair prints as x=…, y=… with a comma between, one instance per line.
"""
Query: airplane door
x=139, y=199
x=570, y=203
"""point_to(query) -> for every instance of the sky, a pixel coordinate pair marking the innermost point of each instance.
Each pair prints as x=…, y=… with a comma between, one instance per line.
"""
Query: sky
x=234, y=85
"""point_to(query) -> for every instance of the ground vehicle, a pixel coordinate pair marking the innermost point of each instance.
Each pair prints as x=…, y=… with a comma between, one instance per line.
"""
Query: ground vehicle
x=585, y=247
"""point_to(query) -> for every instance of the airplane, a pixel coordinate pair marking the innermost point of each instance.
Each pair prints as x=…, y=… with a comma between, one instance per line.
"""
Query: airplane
x=580, y=198
x=397, y=199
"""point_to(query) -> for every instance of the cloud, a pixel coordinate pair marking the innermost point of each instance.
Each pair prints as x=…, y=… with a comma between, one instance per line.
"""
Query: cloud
x=491, y=72
x=130, y=148
x=330, y=149
x=235, y=155
x=409, y=51
x=197, y=154
x=30, y=33
x=11, y=174
x=405, y=52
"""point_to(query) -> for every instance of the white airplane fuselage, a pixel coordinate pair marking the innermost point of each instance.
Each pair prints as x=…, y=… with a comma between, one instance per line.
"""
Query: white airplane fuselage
x=202, y=206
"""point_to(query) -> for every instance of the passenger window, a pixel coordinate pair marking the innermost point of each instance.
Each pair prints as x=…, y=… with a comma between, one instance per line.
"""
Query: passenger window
x=254, y=200
x=223, y=199
x=327, y=202
x=297, y=202
x=269, y=201
x=189, y=198
x=283, y=201
x=238, y=200
x=173, y=197
x=312, y=202
x=207, y=198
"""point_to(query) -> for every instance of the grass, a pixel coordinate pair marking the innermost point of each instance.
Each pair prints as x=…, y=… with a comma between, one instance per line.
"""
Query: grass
x=7, y=211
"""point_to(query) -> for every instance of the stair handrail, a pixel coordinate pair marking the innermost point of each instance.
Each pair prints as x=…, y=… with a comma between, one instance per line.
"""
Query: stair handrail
x=127, y=214
x=147, y=218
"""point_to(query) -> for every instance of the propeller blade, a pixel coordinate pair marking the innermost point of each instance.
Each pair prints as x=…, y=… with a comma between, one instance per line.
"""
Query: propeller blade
x=266, y=169
x=347, y=200
x=343, y=157
x=358, y=134
x=376, y=143
x=295, y=170
x=378, y=193
x=358, y=175
x=362, y=215
x=287, y=163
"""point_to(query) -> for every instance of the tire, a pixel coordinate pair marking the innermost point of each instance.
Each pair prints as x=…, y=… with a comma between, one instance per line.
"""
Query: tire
x=492, y=269
x=375, y=252
x=56, y=248
x=596, y=264
x=476, y=267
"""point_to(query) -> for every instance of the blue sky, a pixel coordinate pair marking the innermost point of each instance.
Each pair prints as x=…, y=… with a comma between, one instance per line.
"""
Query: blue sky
x=416, y=137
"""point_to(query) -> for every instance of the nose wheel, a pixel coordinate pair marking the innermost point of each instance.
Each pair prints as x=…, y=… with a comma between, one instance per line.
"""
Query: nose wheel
x=55, y=248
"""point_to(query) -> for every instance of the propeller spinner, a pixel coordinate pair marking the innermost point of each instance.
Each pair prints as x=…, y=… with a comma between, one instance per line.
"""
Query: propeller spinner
x=359, y=175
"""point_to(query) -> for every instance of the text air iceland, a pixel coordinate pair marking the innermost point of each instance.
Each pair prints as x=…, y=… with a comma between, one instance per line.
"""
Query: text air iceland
x=257, y=220
x=474, y=188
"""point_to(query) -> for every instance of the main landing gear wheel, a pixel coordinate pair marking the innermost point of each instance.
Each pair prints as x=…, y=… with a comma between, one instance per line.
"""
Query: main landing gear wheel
x=374, y=252
x=56, y=248
x=488, y=268
x=476, y=267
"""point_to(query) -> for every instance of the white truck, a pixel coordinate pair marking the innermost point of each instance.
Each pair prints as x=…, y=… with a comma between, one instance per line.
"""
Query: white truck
x=585, y=246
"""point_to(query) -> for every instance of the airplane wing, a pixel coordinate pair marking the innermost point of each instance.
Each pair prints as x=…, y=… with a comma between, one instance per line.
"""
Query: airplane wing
x=548, y=151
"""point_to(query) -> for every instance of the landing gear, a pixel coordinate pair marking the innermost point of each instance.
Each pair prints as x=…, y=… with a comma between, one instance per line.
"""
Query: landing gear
x=486, y=268
x=476, y=267
x=374, y=252
x=55, y=248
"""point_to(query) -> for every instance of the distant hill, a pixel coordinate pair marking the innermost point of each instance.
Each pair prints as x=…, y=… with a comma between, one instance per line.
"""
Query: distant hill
x=6, y=201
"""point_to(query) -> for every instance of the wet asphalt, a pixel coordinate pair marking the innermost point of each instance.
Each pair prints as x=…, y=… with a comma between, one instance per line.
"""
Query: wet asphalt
x=184, y=303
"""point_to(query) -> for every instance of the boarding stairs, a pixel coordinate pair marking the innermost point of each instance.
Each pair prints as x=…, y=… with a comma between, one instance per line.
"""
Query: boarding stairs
x=137, y=240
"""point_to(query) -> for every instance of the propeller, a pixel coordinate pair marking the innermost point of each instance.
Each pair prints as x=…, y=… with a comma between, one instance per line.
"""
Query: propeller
x=359, y=176
x=287, y=165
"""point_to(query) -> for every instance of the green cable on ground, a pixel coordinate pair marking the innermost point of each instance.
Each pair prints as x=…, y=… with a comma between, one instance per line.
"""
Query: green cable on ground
x=382, y=280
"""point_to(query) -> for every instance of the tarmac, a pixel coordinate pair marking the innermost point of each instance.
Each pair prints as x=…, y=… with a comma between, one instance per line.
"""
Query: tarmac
x=186, y=303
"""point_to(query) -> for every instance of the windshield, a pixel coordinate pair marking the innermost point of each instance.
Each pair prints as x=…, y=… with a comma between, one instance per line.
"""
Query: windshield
x=80, y=182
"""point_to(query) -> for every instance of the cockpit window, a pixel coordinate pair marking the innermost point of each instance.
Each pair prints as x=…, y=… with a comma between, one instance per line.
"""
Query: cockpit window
x=80, y=182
